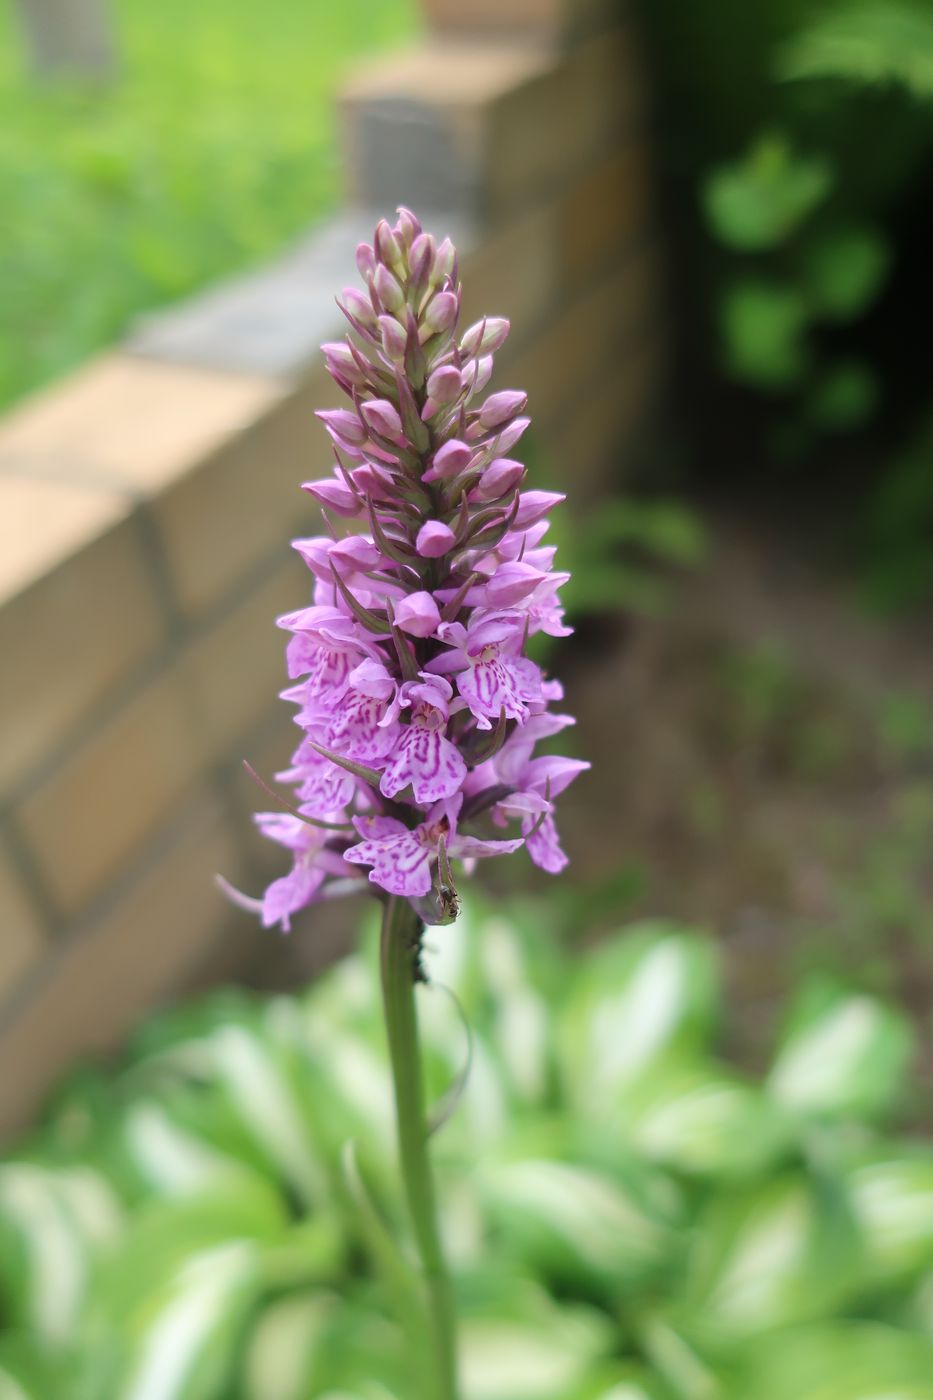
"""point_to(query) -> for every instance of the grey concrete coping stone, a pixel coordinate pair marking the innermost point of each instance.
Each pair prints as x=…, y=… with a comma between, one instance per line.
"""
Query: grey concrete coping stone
x=272, y=321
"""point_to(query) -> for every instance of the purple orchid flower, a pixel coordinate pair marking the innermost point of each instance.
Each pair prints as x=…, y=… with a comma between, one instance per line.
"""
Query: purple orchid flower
x=492, y=674
x=402, y=857
x=408, y=664
x=424, y=756
x=312, y=864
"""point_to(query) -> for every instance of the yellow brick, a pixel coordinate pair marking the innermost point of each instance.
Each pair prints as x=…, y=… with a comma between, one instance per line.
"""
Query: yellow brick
x=43, y=522
x=514, y=272
x=591, y=446
x=236, y=670
x=218, y=455
x=245, y=501
x=69, y=638
x=132, y=422
x=602, y=213
x=539, y=135
x=172, y=925
x=21, y=928
x=97, y=810
x=466, y=75
x=551, y=20
x=572, y=350
x=485, y=128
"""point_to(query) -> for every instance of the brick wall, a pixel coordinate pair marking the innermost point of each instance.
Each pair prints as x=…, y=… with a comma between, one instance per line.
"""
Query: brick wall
x=146, y=503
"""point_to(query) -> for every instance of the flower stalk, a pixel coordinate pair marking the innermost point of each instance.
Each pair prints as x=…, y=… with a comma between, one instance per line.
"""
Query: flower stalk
x=400, y=942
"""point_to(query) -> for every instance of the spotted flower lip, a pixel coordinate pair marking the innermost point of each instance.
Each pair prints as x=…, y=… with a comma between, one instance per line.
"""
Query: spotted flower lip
x=416, y=700
x=401, y=857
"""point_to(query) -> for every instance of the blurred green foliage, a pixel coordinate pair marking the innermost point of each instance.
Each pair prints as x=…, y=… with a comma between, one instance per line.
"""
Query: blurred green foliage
x=629, y=1216
x=213, y=145
x=895, y=533
x=810, y=270
x=796, y=140
x=864, y=42
x=617, y=555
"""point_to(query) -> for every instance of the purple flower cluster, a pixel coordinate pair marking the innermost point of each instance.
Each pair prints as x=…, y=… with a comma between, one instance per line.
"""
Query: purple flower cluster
x=418, y=707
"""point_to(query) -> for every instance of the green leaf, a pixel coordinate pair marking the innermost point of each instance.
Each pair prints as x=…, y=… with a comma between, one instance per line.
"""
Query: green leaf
x=841, y=1361
x=843, y=270
x=186, y=1346
x=280, y=1356
x=868, y=43
x=621, y=1383
x=773, y=1255
x=259, y=1085
x=576, y=1224
x=163, y=1235
x=844, y=1056
x=401, y=1282
x=523, y=1346
x=171, y=1159
x=760, y=201
x=658, y=526
x=11, y=1387
x=53, y=1224
x=843, y=398
x=634, y=1001
x=762, y=325
x=704, y=1120
x=892, y=1201
x=28, y=1371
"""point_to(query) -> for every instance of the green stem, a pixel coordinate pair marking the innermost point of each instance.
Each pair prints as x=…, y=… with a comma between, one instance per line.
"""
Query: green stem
x=401, y=931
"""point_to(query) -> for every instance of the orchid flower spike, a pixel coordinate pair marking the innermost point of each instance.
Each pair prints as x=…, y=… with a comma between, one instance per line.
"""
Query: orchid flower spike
x=418, y=706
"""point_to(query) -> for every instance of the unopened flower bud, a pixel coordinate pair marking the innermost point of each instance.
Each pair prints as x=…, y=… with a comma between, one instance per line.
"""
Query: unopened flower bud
x=417, y=614
x=382, y=417
x=388, y=290
x=334, y=494
x=343, y=426
x=511, y=433
x=512, y=582
x=500, y=407
x=435, y=539
x=449, y=460
x=441, y=312
x=408, y=227
x=534, y=506
x=374, y=481
x=501, y=476
x=421, y=261
x=355, y=551
x=485, y=337
x=316, y=554
x=477, y=375
x=341, y=365
x=359, y=307
x=366, y=261
x=444, y=384
x=445, y=263
x=394, y=338
x=388, y=249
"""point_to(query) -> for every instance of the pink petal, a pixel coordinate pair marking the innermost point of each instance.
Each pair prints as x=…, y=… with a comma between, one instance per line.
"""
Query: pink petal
x=427, y=760
x=473, y=847
x=418, y=615
x=545, y=849
x=435, y=539
x=287, y=895
x=401, y=864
